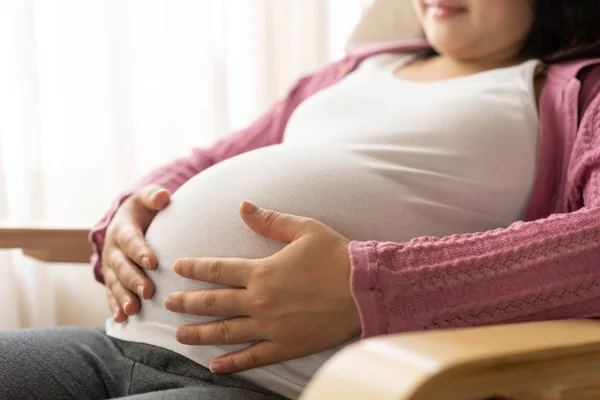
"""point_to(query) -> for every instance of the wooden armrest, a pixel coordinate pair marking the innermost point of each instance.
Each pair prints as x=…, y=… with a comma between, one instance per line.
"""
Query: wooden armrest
x=48, y=244
x=542, y=360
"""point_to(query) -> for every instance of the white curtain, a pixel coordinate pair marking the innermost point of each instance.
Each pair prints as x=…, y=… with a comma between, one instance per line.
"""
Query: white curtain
x=94, y=93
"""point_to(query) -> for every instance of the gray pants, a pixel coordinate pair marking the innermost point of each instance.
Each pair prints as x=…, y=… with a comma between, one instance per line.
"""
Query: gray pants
x=82, y=363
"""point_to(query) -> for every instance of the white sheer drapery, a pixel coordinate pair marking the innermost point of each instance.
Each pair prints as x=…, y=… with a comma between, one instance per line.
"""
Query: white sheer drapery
x=94, y=93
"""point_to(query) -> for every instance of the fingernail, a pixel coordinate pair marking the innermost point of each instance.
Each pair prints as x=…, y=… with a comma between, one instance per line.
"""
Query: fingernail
x=145, y=262
x=127, y=308
x=183, y=335
x=170, y=304
x=140, y=291
x=177, y=267
x=217, y=368
x=154, y=193
x=250, y=208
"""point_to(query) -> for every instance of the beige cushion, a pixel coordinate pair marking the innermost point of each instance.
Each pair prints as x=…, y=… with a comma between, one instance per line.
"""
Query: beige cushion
x=387, y=20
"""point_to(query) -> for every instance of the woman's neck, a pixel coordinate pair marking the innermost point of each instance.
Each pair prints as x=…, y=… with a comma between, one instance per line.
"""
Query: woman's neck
x=467, y=67
x=441, y=67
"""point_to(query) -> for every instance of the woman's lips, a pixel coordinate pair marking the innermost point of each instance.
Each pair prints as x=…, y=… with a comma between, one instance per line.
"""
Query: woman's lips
x=443, y=9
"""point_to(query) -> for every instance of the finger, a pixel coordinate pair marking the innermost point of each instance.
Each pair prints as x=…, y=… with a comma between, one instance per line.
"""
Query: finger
x=258, y=355
x=154, y=197
x=110, y=280
x=133, y=243
x=130, y=275
x=224, y=271
x=210, y=303
x=126, y=300
x=272, y=224
x=223, y=332
x=118, y=314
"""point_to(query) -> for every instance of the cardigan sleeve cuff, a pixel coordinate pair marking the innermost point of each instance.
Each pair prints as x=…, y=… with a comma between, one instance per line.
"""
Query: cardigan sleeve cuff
x=363, y=260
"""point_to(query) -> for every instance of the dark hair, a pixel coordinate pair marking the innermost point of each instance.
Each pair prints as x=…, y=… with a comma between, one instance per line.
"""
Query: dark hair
x=564, y=30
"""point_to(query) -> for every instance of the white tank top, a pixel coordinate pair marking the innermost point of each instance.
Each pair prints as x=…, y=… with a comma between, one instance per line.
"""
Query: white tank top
x=376, y=158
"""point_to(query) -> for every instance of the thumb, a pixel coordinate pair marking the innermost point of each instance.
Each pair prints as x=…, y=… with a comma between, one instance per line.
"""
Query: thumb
x=272, y=224
x=154, y=197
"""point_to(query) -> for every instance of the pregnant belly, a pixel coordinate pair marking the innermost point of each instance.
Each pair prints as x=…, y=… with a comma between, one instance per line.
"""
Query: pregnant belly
x=334, y=187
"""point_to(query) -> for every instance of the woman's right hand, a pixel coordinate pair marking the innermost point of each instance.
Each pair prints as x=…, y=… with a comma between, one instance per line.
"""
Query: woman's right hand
x=126, y=251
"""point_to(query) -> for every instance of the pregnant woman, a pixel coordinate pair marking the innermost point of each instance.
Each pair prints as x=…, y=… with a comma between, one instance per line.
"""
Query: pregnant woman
x=410, y=186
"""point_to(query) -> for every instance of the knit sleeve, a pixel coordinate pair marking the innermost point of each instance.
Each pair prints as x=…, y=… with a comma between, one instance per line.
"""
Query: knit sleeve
x=538, y=270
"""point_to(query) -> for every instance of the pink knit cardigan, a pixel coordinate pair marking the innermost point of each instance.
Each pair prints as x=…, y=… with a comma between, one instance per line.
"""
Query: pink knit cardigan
x=546, y=267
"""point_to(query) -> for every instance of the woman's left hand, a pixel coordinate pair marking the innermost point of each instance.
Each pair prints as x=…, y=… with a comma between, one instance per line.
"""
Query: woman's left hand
x=295, y=303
